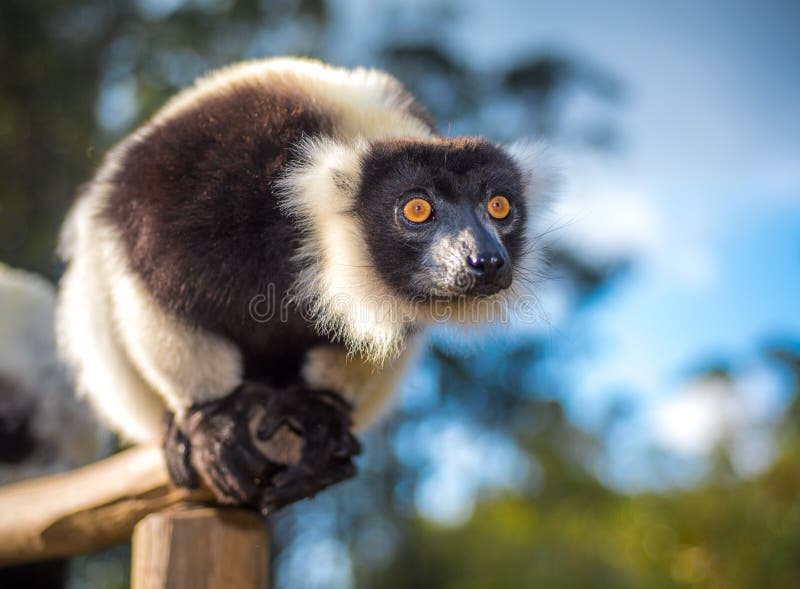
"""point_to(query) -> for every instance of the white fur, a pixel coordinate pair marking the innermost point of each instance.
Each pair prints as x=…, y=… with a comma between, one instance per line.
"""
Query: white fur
x=88, y=340
x=186, y=365
x=348, y=299
x=361, y=382
x=364, y=103
x=541, y=178
x=65, y=433
x=130, y=358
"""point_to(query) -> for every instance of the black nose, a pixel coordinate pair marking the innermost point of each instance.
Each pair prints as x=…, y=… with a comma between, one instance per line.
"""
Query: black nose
x=489, y=268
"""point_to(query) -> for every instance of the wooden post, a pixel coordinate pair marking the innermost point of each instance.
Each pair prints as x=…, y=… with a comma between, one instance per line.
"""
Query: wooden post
x=200, y=548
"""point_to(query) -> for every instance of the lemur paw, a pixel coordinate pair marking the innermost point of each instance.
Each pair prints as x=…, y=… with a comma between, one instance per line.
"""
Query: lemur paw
x=262, y=446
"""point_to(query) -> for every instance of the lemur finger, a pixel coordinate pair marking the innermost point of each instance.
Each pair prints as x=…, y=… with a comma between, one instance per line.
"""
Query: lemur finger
x=177, y=450
x=335, y=400
x=299, y=483
x=226, y=474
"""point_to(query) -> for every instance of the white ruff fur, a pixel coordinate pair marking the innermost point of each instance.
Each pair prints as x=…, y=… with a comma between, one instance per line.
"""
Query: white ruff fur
x=541, y=178
x=129, y=357
x=348, y=300
x=338, y=283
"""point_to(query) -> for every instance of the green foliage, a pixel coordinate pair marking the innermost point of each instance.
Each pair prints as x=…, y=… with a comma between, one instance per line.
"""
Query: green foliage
x=738, y=537
x=577, y=533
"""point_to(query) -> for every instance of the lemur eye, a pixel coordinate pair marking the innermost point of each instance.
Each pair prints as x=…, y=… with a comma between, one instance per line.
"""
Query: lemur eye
x=417, y=210
x=499, y=207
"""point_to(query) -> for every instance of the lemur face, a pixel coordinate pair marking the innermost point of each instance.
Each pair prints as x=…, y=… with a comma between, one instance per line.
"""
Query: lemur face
x=444, y=217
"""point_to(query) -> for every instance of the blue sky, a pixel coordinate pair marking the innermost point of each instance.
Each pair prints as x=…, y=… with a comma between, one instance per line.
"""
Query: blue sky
x=713, y=160
x=703, y=197
x=712, y=165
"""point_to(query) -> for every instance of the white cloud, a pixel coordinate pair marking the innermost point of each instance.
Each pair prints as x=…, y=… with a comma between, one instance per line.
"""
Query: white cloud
x=605, y=216
x=711, y=412
x=695, y=421
x=464, y=463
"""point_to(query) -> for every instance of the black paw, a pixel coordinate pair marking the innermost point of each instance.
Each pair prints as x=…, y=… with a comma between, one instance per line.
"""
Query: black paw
x=176, y=453
x=263, y=446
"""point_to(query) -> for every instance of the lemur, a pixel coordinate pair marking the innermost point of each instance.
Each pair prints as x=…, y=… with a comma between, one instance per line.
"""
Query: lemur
x=36, y=401
x=324, y=192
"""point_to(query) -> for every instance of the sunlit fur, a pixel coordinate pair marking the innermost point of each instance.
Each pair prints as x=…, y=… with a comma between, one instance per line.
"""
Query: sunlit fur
x=337, y=282
x=365, y=103
x=129, y=357
x=136, y=352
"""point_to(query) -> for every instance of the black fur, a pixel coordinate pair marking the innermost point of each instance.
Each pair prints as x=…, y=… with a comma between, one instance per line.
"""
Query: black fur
x=17, y=440
x=457, y=176
x=194, y=204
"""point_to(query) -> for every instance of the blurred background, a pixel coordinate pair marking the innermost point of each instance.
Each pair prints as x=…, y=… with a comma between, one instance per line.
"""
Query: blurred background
x=644, y=429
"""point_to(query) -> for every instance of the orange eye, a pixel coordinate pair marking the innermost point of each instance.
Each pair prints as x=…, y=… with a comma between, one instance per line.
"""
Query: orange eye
x=417, y=210
x=499, y=207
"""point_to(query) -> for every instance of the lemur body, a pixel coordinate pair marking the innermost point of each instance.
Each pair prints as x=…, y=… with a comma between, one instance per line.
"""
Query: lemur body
x=278, y=180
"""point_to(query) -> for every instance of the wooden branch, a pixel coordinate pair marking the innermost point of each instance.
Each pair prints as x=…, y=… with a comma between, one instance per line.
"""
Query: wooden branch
x=87, y=509
x=200, y=548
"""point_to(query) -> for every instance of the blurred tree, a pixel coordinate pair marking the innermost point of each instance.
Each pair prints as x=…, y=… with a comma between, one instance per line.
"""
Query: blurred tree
x=78, y=75
x=574, y=532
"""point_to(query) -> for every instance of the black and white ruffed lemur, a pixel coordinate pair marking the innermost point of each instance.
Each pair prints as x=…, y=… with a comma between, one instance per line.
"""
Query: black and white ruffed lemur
x=323, y=192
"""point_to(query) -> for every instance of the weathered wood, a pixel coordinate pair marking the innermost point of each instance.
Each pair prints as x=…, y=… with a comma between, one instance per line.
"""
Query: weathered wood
x=87, y=509
x=200, y=548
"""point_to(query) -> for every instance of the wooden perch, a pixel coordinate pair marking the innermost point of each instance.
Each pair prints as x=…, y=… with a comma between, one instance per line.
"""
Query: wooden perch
x=200, y=548
x=87, y=509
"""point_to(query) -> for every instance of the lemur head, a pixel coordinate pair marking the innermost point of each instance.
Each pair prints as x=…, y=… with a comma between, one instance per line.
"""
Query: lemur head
x=394, y=226
x=441, y=218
